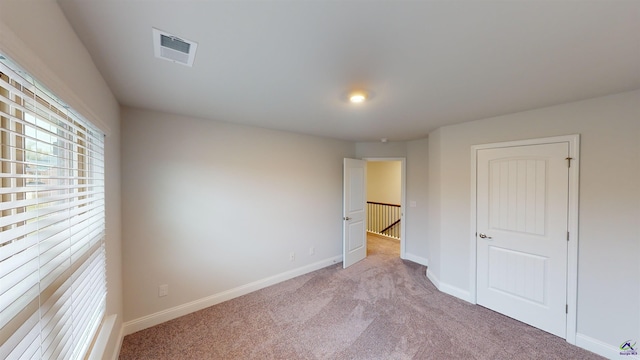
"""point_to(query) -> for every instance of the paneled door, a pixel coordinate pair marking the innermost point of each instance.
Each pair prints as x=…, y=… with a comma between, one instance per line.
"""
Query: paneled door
x=354, y=237
x=522, y=201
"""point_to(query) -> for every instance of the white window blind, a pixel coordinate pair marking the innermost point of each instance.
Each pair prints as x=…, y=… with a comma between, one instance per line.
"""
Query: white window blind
x=52, y=261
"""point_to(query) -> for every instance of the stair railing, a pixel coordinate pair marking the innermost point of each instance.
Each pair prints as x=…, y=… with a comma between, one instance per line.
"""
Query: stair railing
x=384, y=219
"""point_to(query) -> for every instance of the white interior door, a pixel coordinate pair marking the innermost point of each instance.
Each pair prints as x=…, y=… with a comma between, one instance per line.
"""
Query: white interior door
x=522, y=200
x=354, y=237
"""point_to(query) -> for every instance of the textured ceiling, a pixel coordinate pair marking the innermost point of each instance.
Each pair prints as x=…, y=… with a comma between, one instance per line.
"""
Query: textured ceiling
x=288, y=65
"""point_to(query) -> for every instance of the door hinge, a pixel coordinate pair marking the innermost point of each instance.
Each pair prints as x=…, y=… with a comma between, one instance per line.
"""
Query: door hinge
x=569, y=161
x=567, y=236
x=566, y=309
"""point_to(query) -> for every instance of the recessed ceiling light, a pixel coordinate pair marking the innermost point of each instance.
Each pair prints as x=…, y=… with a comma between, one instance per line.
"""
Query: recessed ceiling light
x=358, y=97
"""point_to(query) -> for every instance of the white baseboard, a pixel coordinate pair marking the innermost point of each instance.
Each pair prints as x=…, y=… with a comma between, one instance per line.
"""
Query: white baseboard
x=449, y=289
x=434, y=279
x=416, y=259
x=456, y=291
x=607, y=350
x=175, y=312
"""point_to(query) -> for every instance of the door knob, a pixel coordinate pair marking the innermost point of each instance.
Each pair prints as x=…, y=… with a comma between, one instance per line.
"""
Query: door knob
x=346, y=218
x=483, y=236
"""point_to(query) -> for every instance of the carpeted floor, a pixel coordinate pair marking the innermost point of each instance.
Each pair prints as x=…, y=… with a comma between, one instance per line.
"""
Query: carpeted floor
x=380, y=308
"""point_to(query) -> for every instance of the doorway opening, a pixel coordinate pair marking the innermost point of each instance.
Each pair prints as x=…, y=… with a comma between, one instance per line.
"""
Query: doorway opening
x=385, y=201
x=354, y=200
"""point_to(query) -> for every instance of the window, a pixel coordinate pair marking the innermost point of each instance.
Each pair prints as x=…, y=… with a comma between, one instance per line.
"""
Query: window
x=52, y=221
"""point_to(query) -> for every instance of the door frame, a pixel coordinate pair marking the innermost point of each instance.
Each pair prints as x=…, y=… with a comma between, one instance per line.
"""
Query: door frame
x=403, y=200
x=572, y=222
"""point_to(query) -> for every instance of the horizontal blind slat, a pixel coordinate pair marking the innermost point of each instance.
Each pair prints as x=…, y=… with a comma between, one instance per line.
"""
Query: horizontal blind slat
x=90, y=279
x=16, y=260
x=57, y=329
x=53, y=218
x=22, y=340
x=23, y=292
x=47, y=223
x=19, y=275
x=47, y=187
x=16, y=307
x=16, y=247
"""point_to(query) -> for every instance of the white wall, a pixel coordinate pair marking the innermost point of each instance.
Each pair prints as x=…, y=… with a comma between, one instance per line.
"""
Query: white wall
x=210, y=208
x=416, y=155
x=609, y=239
x=417, y=217
x=379, y=149
x=37, y=36
x=384, y=182
x=433, y=206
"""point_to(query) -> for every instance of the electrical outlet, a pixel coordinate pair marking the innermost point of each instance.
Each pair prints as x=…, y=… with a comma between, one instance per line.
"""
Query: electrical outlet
x=292, y=256
x=163, y=290
x=312, y=250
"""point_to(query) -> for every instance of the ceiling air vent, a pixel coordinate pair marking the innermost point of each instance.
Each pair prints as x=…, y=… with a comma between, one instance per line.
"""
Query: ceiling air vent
x=173, y=48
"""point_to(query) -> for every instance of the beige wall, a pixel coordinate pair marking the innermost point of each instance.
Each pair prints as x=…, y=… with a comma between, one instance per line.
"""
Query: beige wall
x=384, y=182
x=609, y=239
x=210, y=207
x=36, y=35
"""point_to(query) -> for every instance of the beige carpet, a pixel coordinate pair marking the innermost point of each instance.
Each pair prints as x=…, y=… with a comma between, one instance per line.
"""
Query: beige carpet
x=380, y=308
